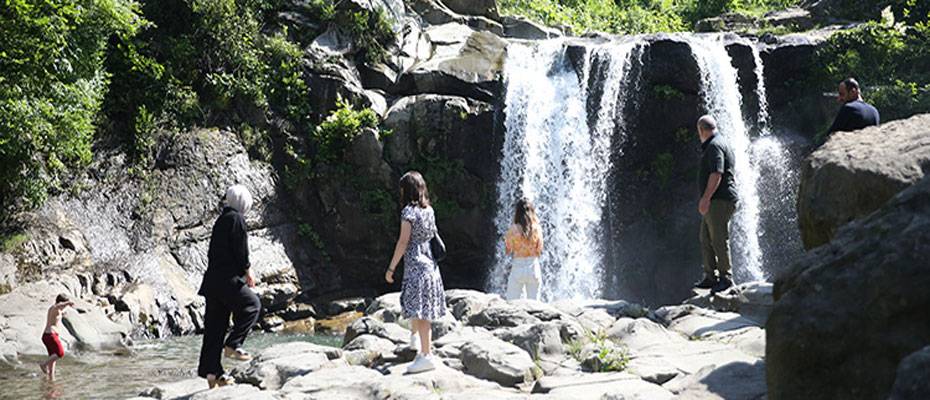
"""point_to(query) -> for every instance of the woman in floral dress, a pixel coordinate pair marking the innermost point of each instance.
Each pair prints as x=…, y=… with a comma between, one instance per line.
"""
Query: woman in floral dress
x=422, y=297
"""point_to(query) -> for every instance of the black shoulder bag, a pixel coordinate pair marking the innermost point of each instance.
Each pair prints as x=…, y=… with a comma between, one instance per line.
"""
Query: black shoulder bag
x=437, y=247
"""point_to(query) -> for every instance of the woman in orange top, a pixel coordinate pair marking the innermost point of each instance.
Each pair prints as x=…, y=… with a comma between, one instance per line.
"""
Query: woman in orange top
x=524, y=242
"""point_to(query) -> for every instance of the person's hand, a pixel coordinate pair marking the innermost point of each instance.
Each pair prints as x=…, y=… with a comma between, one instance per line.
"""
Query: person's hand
x=704, y=205
x=389, y=276
x=249, y=280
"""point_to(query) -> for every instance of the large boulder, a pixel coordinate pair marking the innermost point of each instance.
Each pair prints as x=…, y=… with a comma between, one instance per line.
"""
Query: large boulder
x=273, y=373
x=498, y=361
x=855, y=173
x=848, y=312
x=484, y=8
x=467, y=63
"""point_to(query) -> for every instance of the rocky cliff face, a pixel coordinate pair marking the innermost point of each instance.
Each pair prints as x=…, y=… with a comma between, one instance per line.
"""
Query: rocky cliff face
x=850, y=311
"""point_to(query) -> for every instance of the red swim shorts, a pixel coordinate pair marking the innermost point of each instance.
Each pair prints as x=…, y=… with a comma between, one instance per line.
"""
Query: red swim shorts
x=53, y=345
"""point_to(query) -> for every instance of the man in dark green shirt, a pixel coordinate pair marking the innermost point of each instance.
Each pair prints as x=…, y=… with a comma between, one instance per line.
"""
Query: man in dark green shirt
x=717, y=204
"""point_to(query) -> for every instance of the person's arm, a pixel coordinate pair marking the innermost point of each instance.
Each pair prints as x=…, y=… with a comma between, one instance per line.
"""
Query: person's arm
x=841, y=122
x=508, y=241
x=713, y=182
x=239, y=245
x=399, y=250
x=718, y=164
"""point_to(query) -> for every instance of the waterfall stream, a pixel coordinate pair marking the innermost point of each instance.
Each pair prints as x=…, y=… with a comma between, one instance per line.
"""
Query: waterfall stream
x=553, y=157
x=722, y=99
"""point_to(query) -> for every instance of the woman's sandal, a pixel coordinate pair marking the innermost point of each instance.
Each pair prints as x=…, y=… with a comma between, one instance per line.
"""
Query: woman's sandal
x=223, y=380
x=237, y=354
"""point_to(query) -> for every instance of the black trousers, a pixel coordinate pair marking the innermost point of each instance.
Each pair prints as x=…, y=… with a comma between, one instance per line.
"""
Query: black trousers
x=244, y=306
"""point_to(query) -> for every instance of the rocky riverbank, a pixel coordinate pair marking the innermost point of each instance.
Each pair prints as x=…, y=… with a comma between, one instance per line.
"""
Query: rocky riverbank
x=499, y=349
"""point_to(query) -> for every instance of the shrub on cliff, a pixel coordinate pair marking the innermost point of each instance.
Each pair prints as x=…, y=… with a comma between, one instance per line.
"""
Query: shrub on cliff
x=51, y=88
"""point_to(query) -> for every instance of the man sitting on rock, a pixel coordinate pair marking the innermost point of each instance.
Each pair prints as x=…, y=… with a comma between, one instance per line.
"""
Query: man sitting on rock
x=855, y=114
x=717, y=204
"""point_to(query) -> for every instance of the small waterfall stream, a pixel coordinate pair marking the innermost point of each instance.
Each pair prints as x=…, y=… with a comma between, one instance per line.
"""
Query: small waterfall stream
x=553, y=157
x=722, y=99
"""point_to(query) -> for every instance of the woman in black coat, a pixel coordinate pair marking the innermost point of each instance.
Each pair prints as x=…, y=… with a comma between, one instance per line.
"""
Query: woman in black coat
x=226, y=287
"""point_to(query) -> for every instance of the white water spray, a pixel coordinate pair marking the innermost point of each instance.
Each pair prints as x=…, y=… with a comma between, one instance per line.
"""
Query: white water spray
x=720, y=90
x=551, y=156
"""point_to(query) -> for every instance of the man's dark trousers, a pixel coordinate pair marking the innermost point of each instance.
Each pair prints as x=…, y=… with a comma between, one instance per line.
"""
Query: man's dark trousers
x=244, y=306
x=715, y=238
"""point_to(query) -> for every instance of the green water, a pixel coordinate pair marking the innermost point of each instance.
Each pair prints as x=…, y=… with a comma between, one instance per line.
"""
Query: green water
x=109, y=376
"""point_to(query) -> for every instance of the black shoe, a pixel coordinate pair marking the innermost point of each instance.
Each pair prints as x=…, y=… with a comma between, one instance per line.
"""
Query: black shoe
x=708, y=283
x=724, y=284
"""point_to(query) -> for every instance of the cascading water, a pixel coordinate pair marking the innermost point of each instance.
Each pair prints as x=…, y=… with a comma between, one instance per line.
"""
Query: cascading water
x=552, y=156
x=778, y=168
x=720, y=91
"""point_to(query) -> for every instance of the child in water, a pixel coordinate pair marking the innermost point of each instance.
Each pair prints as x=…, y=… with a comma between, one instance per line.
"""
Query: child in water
x=50, y=336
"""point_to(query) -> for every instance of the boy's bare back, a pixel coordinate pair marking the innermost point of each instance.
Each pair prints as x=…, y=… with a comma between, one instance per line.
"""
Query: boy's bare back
x=54, y=316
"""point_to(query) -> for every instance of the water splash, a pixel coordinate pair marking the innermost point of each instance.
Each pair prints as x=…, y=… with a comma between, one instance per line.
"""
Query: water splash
x=720, y=91
x=552, y=156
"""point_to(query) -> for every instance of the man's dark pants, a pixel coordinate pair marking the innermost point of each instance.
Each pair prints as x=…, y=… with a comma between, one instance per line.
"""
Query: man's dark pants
x=715, y=238
x=244, y=306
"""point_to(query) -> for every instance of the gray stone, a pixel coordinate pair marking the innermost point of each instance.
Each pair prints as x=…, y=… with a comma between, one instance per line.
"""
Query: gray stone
x=371, y=326
x=855, y=173
x=830, y=322
x=796, y=18
x=385, y=308
x=465, y=303
x=611, y=385
x=498, y=361
x=333, y=43
x=92, y=330
x=273, y=373
x=349, y=382
x=175, y=390
x=520, y=27
x=296, y=348
x=540, y=341
x=502, y=315
x=469, y=67
x=728, y=381
x=436, y=13
x=484, y=8
x=365, y=152
x=911, y=381
x=370, y=342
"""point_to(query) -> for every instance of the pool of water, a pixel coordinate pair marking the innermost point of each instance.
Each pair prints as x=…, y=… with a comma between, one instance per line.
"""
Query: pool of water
x=111, y=376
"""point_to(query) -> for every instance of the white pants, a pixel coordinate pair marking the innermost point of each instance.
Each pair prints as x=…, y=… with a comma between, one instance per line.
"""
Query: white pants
x=524, y=272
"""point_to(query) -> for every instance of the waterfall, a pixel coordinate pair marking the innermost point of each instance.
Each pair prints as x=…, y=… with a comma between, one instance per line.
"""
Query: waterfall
x=720, y=91
x=778, y=170
x=553, y=156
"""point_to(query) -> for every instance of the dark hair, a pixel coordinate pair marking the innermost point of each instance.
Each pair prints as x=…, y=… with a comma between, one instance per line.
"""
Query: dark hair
x=525, y=217
x=61, y=298
x=413, y=190
x=850, y=83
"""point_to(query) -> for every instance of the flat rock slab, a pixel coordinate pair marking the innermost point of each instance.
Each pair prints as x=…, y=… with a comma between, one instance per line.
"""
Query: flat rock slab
x=737, y=380
x=273, y=373
x=612, y=385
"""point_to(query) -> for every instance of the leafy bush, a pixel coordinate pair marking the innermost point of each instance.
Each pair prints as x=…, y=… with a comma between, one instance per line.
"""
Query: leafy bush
x=340, y=127
x=51, y=88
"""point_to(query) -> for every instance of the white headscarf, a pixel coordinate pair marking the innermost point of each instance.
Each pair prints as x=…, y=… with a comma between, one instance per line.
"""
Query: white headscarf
x=238, y=197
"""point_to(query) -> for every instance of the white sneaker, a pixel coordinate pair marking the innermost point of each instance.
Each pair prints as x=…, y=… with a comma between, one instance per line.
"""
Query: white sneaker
x=421, y=364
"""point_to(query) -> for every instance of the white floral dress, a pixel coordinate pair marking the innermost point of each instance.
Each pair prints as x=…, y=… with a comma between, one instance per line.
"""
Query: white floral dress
x=422, y=296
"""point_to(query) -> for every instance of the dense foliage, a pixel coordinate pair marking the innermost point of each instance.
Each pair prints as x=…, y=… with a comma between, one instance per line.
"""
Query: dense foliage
x=51, y=88
x=634, y=16
x=73, y=72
